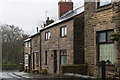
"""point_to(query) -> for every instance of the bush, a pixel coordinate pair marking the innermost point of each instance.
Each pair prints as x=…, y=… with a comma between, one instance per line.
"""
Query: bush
x=9, y=65
x=36, y=71
x=43, y=71
x=59, y=73
x=114, y=36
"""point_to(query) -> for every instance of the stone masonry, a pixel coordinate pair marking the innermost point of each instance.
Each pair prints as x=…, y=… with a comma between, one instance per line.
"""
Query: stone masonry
x=99, y=19
x=35, y=43
x=72, y=43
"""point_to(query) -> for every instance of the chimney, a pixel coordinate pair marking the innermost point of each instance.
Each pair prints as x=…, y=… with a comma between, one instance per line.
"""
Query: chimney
x=64, y=7
x=48, y=21
x=37, y=29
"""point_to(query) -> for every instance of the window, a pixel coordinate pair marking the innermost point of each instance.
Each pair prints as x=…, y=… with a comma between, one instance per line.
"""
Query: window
x=37, y=58
x=63, y=57
x=26, y=44
x=29, y=44
x=46, y=58
x=35, y=42
x=103, y=2
x=26, y=59
x=47, y=35
x=106, y=47
x=63, y=31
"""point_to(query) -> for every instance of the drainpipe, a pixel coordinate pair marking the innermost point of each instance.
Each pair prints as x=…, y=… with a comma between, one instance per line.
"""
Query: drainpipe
x=31, y=55
x=40, y=52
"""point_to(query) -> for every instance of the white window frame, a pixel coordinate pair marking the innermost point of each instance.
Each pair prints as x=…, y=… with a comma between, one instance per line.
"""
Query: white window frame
x=47, y=35
x=63, y=31
x=26, y=44
x=26, y=59
x=29, y=44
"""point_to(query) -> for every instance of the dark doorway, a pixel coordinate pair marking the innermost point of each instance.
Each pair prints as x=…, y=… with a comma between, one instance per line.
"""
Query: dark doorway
x=33, y=61
x=29, y=61
x=55, y=61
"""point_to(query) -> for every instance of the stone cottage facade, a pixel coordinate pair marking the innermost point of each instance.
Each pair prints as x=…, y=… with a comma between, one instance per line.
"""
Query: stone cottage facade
x=100, y=20
x=27, y=53
x=62, y=43
x=35, y=51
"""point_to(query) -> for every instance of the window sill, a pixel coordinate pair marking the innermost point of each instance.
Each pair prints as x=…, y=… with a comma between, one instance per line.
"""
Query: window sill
x=63, y=36
x=47, y=39
x=110, y=65
x=103, y=8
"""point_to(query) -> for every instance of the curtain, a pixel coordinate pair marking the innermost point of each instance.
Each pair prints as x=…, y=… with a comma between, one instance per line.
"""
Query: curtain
x=107, y=52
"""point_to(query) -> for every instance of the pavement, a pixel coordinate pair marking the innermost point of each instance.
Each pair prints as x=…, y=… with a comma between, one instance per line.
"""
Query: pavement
x=31, y=75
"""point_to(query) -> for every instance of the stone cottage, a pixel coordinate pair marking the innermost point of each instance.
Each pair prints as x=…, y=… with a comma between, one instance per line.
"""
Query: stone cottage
x=62, y=42
x=35, y=51
x=101, y=19
x=27, y=53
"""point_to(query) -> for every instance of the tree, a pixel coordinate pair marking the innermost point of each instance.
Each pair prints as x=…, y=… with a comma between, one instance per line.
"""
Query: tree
x=12, y=43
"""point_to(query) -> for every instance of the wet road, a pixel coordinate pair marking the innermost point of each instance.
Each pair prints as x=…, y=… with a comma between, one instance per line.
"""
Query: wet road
x=8, y=75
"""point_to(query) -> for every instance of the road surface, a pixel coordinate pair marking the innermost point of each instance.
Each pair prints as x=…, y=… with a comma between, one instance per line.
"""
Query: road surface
x=8, y=75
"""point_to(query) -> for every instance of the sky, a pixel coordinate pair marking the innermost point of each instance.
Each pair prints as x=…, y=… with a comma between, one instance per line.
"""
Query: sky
x=29, y=14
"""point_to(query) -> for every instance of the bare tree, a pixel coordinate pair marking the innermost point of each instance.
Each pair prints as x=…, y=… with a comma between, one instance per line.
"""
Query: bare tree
x=12, y=43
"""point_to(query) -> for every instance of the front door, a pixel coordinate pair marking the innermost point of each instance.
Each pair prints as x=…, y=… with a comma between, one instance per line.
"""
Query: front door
x=33, y=61
x=55, y=61
x=29, y=61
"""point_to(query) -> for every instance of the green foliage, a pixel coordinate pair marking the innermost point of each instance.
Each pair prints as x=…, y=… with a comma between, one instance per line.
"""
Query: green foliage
x=114, y=36
x=23, y=50
x=43, y=71
x=36, y=71
x=9, y=65
x=59, y=73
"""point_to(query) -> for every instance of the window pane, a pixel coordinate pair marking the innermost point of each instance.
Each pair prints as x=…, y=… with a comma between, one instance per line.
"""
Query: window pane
x=48, y=35
x=26, y=44
x=65, y=53
x=37, y=59
x=63, y=59
x=61, y=53
x=65, y=31
x=29, y=44
x=104, y=2
x=62, y=31
x=102, y=37
x=108, y=37
x=107, y=52
x=26, y=59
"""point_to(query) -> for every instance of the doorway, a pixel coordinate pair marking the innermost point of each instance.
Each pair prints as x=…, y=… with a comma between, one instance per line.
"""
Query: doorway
x=55, y=61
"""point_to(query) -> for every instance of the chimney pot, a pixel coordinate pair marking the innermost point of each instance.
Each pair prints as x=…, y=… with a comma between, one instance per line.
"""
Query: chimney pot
x=37, y=29
x=47, y=18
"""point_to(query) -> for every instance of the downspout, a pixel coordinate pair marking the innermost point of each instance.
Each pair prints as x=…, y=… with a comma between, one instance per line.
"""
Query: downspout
x=40, y=52
x=31, y=55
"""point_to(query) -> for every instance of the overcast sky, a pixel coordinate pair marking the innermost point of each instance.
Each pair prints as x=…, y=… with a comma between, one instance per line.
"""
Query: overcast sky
x=28, y=14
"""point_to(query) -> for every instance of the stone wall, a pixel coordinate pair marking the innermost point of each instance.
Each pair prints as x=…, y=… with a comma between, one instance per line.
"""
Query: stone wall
x=26, y=50
x=57, y=43
x=35, y=40
x=79, y=39
x=97, y=20
x=72, y=43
